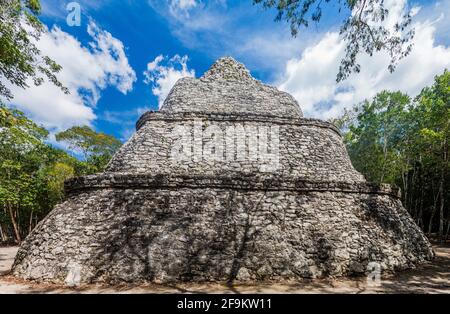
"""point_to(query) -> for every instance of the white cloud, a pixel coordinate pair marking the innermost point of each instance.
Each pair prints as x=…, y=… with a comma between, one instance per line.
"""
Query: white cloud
x=178, y=7
x=110, y=53
x=162, y=73
x=245, y=31
x=86, y=72
x=311, y=78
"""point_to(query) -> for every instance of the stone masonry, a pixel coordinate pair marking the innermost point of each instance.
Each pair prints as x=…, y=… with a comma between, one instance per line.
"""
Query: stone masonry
x=151, y=217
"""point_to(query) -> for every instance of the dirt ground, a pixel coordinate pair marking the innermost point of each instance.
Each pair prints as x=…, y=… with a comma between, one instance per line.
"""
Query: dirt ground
x=433, y=277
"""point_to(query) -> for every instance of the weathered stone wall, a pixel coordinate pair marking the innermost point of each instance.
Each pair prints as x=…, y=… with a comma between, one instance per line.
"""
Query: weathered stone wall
x=178, y=232
x=266, y=182
x=308, y=149
x=228, y=88
x=151, y=217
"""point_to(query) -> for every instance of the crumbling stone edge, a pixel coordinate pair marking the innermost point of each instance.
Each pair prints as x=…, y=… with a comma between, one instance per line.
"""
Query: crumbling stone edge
x=243, y=182
x=232, y=117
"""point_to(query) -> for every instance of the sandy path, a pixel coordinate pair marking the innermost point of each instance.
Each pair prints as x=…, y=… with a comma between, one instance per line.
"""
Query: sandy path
x=6, y=258
x=431, y=278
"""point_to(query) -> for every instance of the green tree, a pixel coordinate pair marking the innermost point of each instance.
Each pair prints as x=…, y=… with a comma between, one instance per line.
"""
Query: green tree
x=31, y=174
x=20, y=142
x=433, y=106
x=96, y=148
x=362, y=31
x=20, y=59
x=375, y=135
x=394, y=139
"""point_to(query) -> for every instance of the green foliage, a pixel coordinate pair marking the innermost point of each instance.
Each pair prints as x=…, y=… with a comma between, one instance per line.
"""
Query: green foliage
x=97, y=148
x=393, y=139
x=21, y=142
x=362, y=30
x=434, y=107
x=20, y=59
x=375, y=142
x=55, y=174
x=32, y=172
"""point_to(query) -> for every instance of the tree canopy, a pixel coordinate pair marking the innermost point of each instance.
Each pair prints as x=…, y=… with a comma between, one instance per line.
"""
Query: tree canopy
x=96, y=148
x=363, y=30
x=32, y=172
x=398, y=140
x=20, y=59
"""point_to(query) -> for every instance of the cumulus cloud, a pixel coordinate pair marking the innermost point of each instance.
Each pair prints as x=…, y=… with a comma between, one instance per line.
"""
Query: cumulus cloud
x=87, y=70
x=311, y=78
x=162, y=73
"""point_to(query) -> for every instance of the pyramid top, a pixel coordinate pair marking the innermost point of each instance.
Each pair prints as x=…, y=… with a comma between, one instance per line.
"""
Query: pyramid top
x=228, y=88
x=228, y=69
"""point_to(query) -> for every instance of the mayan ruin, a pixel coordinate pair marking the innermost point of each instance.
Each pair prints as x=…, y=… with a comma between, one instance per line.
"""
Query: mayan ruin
x=226, y=182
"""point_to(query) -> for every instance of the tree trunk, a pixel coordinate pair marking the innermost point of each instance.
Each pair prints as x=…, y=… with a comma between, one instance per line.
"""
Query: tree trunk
x=420, y=219
x=420, y=215
x=30, y=224
x=430, y=223
x=416, y=208
x=2, y=234
x=413, y=199
x=14, y=223
x=441, y=211
x=441, y=190
x=407, y=186
x=384, y=159
x=4, y=231
x=448, y=230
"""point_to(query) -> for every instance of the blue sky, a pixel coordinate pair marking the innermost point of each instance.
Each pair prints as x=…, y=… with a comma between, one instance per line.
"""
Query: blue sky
x=112, y=66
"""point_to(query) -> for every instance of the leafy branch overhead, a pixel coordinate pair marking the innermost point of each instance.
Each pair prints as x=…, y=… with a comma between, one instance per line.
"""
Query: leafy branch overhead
x=364, y=31
x=20, y=59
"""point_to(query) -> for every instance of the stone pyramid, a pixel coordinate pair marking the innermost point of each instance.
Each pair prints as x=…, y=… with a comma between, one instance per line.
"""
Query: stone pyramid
x=227, y=181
